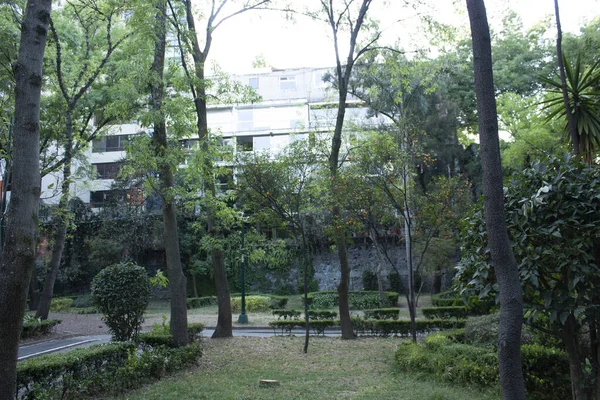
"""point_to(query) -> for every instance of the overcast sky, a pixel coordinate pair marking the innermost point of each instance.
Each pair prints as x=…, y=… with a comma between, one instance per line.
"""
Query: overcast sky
x=307, y=43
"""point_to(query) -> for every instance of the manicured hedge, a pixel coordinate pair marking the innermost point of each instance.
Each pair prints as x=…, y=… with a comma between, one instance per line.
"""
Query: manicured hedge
x=459, y=312
x=546, y=370
x=162, y=335
x=287, y=314
x=38, y=327
x=358, y=300
x=198, y=302
x=382, y=327
x=253, y=304
x=321, y=314
x=102, y=369
x=446, y=299
x=318, y=326
x=382, y=313
x=278, y=302
x=61, y=304
x=475, y=306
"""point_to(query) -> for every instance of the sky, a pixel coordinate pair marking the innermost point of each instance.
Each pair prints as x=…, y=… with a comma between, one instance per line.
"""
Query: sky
x=307, y=43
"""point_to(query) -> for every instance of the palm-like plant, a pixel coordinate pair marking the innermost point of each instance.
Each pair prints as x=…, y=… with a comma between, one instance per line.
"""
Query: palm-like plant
x=583, y=88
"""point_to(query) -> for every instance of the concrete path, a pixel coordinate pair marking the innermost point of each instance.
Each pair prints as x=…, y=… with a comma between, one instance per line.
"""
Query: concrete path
x=62, y=345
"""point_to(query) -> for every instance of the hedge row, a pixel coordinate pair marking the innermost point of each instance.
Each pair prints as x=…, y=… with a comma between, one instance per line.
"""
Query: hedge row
x=358, y=300
x=198, y=302
x=458, y=312
x=382, y=313
x=382, y=327
x=162, y=337
x=38, y=327
x=318, y=326
x=474, y=305
x=546, y=370
x=101, y=369
x=287, y=314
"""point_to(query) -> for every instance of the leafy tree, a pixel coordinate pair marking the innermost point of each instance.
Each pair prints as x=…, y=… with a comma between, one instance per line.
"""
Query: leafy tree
x=502, y=257
x=76, y=72
x=553, y=225
x=283, y=191
x=18, y=254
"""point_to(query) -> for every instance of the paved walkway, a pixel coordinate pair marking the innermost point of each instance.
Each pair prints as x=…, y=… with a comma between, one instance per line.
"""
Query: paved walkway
x=62, y=345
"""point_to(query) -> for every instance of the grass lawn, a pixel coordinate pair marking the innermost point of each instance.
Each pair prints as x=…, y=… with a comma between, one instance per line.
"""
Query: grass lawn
x=332, y=369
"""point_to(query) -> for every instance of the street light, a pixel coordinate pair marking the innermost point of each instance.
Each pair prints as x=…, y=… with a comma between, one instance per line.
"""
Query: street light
x=243, y=318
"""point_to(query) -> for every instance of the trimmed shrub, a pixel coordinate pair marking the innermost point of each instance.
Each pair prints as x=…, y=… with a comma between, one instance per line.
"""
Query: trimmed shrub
x=457, y=312
x=199, y=302
x=253, y=304
x=369, y=279
x=546, y=370
x=86, y=310
x=382, y=313
x=83, y=301
x=396, y=284
x=321, y=314
x=285, y=314
x=59, y=304
x=122, y=292
x=285, y=325
x=318, y=326
x=483, y=331
x=357, y=300
x=446, y=299
x=36, y=327
x=278, y=302
x=382, y=327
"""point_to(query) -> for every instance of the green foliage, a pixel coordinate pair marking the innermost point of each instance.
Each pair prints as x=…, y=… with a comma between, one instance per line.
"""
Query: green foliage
x=546, y=370
x=122, y=292
x=387, y=327
x=61, y=304
x=318, y=326
x=396, y=284
x=358, y=300
x=483, y=331
x=382, y=313
x=369, y=279
x=36, y=327
x=278, y=301
x=83, y=301
x=159, y=279
x=459, y=312
x=253, y=304
x=198, y=302
x=321, y=315
x=285, y=314
x=446, y=299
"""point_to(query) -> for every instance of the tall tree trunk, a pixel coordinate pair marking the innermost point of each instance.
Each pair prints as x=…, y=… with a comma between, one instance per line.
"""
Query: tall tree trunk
x=225, y=320
x=571, y=343
x=379, y=267
x=18, y=255
x=503, y=260
x=61, y=224
x=571, y=126
x=177, y=281
x=307, y=262
x=410, y=293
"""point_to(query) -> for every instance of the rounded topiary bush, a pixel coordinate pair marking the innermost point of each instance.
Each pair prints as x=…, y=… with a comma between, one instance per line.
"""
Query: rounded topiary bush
x=122, y=292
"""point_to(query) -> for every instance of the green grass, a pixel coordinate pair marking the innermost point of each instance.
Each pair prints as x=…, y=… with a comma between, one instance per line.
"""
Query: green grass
x=333, y=369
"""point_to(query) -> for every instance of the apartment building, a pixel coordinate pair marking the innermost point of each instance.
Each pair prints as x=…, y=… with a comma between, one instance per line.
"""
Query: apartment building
x=293, y=103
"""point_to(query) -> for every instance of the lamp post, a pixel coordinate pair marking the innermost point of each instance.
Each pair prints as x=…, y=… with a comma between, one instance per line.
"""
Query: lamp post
x=243, y=318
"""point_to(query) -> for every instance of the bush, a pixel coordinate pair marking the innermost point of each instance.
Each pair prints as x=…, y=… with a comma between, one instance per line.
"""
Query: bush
x=357, y=300
x=199, y=302
x=84, y=301
x=86, y=310
x=369, y=279
x=383, y=327
x=382, y=313
x=36, y=327
x=396, y=284
x=318, y=326
x=321, y=314
x=546, y=371
x=278, y=302
x=122, y=292
x=483, y=331
x=446, y=299
x=291, y=314
x=108, y=368
x=459, y=312
x=253, y=304
x=59, y=304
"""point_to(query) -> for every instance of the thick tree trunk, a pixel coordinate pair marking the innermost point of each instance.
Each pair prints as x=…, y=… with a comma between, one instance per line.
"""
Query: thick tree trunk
x=177, y=281
x=571, y=343
x=18, y=254
x=507, y=274
x=224, y=320
x=61, y=224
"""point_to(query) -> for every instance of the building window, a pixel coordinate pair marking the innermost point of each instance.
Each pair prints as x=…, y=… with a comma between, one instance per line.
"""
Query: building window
x=107, y=170
x=287, y=83
x=253, y=83
x=245, y=143
x=189, y=144
x=109, y=143
x=102, y=198
x=245, y=120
